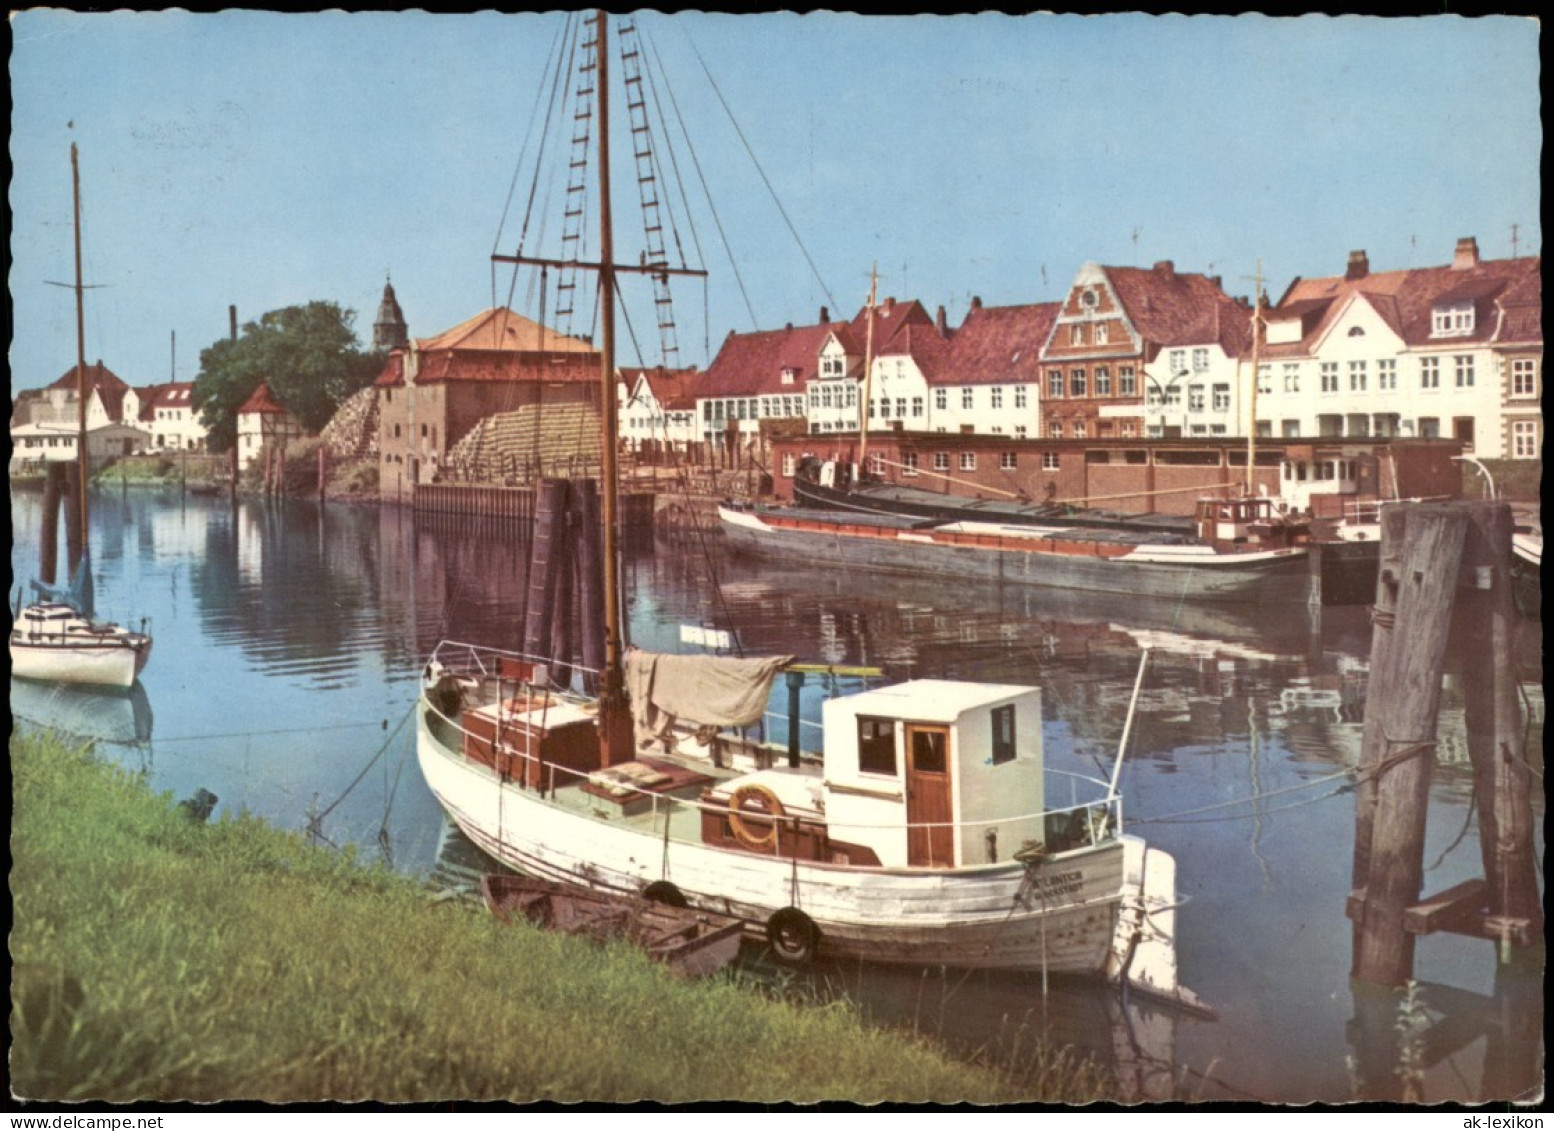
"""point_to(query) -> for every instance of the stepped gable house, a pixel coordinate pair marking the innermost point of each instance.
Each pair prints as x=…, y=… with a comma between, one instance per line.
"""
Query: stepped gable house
x=435, y=390
x=1116, y=321
x=1448, y=351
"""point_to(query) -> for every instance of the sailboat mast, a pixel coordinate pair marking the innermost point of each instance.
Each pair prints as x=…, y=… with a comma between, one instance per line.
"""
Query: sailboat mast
x=75, y=186
x=1251, y=424
x=612, y=698
x=868, y=378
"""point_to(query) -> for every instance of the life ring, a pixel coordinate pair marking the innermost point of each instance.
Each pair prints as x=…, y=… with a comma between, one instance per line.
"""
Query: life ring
x=769, y=808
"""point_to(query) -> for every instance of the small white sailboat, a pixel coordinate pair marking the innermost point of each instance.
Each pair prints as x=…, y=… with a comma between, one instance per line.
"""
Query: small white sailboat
x=922, y=833
x=57, y=639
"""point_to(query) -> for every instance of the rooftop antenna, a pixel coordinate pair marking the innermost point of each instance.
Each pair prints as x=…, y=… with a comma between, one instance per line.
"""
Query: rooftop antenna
x=1136, y=231
x=1515, y=243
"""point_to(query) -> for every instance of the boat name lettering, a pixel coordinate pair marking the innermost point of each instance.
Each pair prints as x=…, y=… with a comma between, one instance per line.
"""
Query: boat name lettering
x=1062, y=883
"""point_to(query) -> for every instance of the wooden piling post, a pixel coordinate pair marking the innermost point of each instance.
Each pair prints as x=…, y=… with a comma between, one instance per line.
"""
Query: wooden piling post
x=321, y=473
x=1495, y=744
x=54, y=490
x=75, y=537
x=1398, y=746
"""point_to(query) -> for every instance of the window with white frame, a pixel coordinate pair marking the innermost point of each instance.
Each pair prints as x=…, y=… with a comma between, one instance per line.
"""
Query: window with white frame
x=1080, y=430
x=917, y=406
x=1451, y=319
x=1195, y=398
x=1008, y=461
x=941, y=399
x=825, y=397
x=876, y=464
x=1524, y=439
x=787, y=464
x=884, y=407
x=1429, y=373
x=1077, y=382
x=1524, y=377
x=1019, y=396
x=1127, y=382
x=1020, y=431
x=901, y=407
x=967, y=398
x=1128, y=429
x=1049, y=461
x=1055, y=429
x=1462, y=365
x=1387, y=374
x=1264, y=380
x=1076, y=334
x=941, y=461
x=968, y=461
x=996, y=397
x=1176, y=362
x=908, y=463
x=1357, y=377
x=1291, y=377
x=1101, y=334
x=1329, y=376
x=1103, y=381
x=1222, y=398
x=1200, y=360
x=1054, y=383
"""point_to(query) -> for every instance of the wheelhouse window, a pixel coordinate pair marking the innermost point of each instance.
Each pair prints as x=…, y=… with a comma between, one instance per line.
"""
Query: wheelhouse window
x=1003, y=734
x=877, y=746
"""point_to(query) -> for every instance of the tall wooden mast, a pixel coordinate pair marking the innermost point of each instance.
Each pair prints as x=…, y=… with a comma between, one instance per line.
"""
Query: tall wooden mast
x=614, y=721
x=1251, y=423
x=613, y=724
x=868, y=376
x=81, y=463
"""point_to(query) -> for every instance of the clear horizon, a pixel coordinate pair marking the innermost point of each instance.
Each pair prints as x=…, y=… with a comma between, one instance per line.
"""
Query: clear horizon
x=264, y=160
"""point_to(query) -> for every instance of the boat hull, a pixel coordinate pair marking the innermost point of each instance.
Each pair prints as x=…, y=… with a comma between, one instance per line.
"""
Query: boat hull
x=113, y=663
x=1066, y=913
x=1272, y=577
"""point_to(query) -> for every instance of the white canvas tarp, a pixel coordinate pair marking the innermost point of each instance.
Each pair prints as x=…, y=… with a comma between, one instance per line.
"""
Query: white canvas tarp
x=704, y=690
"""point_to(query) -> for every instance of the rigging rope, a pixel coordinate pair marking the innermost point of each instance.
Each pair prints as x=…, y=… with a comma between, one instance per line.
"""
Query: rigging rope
x=1173, y=818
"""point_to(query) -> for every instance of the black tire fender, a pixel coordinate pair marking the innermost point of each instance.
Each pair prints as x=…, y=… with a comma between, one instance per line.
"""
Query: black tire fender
x=662, y=891
x=793, y=936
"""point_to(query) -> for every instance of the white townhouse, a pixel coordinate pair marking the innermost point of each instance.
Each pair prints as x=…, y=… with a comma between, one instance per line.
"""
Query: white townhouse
x=657, y=408
x=167, y=412
x=987, y=379
x=1450, y=351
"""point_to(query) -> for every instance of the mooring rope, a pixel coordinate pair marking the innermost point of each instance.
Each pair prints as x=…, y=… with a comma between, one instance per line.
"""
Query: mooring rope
x=1178, y=817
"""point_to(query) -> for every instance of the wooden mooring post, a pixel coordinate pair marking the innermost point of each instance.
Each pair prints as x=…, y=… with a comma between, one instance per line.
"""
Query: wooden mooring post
x=1438, y=559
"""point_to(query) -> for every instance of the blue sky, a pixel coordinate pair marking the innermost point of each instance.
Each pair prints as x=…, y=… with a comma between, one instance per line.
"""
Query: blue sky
x=261, y=160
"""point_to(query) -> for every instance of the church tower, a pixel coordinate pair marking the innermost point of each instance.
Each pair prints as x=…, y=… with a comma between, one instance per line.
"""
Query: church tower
x=389, y=332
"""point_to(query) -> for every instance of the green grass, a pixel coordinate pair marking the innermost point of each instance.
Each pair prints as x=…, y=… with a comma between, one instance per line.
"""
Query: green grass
x=156, y=958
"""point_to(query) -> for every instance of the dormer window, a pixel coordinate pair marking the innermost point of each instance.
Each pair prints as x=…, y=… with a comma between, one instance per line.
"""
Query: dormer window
x=790, y=375
x=1451, y=319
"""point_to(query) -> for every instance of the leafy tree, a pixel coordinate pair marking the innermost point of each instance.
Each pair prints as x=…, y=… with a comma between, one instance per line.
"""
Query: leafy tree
x=308, y=355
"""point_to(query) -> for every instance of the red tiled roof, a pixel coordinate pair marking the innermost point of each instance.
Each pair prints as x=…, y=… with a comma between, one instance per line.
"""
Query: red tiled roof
x=998, y=343
x=1406, y=298
x=109, y=387
x=753, y=363
x=503, y=329
x=1176, y=308
x=171, y=394
x=260, y=401
x=673, y=389
x=495, y=345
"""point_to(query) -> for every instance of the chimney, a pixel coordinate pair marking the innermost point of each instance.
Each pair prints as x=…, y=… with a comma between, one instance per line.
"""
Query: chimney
x=1216, y=282
x=939, y=321
x=976, y=302
x=232, y=318
x=789, y=326
x=825, y=315
x=1359, y=265
x=890, y=305
x=1166, y=268
x=1466, y=256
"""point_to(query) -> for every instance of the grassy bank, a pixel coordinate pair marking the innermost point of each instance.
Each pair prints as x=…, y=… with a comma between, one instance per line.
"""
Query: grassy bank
x=158, y=958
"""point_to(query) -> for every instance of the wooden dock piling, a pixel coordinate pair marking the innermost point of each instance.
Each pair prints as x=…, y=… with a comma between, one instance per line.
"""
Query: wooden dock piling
x=1428, y=552
x=54, y=490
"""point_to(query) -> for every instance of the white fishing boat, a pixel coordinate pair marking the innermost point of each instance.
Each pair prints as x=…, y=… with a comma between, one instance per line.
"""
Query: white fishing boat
x=57, y=639
x=927, y=831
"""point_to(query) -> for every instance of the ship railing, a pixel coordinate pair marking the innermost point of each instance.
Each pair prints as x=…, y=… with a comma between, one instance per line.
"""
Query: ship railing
x=485, y=663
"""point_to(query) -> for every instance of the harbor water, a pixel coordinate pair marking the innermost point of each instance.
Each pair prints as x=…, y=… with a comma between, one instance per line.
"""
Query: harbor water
x=290, y=638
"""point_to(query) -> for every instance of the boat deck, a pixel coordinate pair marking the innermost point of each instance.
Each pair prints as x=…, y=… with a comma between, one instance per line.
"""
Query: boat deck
x=1115, y=536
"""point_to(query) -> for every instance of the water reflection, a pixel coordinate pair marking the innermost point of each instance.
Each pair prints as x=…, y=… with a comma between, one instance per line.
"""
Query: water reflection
x=289, y=639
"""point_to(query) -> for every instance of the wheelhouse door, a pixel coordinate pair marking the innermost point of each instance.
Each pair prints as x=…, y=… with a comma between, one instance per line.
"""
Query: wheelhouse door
x=930, y=837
